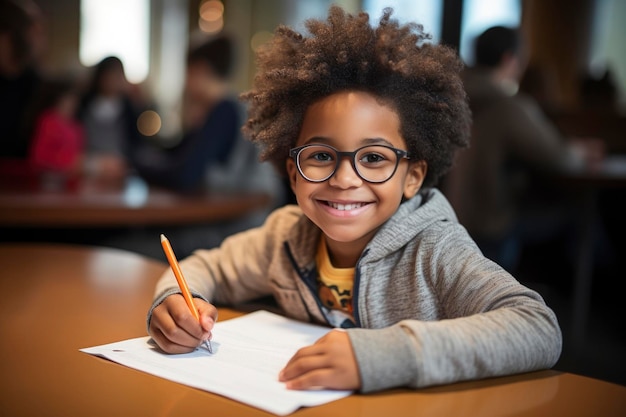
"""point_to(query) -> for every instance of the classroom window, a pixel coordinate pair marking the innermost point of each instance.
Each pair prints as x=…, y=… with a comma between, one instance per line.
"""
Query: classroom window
x=479, y=15
x=428, y=13
x=116, y=27
x=607, y=45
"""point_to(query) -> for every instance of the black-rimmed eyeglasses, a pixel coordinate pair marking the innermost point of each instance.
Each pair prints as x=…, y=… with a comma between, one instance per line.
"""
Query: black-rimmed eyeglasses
x=372, y=163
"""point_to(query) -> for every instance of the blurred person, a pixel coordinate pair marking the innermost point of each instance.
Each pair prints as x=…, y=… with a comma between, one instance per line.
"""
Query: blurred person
x=512, y=141
x=211, y=118
x=109, y=114
x=58, y=140
x=210, y=152
x=22, y=41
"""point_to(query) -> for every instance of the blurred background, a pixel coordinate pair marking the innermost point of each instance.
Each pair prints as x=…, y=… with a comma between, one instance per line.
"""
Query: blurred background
x=569, y=42
x=576, y=70
x=568, y=39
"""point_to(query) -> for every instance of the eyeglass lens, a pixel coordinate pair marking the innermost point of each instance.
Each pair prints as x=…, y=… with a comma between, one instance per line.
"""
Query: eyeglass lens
x=373, y=163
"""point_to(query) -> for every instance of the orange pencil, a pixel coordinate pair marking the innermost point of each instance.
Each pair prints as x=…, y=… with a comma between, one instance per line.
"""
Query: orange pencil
x=171, y=258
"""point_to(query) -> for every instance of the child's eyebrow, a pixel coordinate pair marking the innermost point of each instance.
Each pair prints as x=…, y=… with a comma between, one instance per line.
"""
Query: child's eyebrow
x=363, y=142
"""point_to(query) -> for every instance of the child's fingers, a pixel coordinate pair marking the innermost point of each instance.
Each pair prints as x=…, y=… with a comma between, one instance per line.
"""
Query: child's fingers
x=329, y=363
x=181, y=314
x=305, y=360
x=316, y=379
x=208, y=314
x=178, y=326
x=167, y=345
x=313, y=372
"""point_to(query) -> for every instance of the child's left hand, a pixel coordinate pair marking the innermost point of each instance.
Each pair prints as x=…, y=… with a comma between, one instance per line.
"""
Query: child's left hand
x=329, y=363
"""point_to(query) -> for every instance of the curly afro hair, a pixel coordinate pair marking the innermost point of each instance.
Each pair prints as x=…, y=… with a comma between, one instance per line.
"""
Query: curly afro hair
x=419, y=80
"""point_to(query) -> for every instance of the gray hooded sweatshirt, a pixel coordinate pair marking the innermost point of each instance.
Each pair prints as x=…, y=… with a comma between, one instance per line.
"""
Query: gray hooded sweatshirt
x=429, y=308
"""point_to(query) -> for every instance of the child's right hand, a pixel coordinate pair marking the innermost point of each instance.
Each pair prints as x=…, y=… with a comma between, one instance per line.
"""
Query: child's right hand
x=175, y=329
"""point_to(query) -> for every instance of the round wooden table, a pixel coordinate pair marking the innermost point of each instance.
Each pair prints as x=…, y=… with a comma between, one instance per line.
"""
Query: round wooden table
x=58, y=299
x=129, y=202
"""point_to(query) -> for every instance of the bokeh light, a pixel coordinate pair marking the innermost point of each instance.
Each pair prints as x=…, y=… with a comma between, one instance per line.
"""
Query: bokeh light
x=149, y=123
x=211, y=10
x=211, y=18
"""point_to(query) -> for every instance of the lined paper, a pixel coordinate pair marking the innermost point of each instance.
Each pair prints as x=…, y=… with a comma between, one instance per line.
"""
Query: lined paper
x=248, y=353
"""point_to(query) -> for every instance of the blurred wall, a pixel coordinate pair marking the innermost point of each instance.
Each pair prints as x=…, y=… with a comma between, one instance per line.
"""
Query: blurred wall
x=558, y=32
x=62, y=23
x=246, y=18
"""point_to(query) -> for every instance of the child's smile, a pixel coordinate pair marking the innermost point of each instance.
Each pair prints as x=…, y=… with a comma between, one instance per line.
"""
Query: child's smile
x=347, y=208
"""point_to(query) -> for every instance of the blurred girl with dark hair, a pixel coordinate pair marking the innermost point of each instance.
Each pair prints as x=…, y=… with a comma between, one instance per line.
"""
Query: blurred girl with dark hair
x=109, y=116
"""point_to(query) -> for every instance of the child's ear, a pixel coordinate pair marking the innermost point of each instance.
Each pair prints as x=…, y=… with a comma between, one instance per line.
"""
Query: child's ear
x=292, y=171
x=415, y=178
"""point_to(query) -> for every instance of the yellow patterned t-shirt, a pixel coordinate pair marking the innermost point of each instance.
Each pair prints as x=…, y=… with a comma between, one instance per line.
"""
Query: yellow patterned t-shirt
x=334, y=284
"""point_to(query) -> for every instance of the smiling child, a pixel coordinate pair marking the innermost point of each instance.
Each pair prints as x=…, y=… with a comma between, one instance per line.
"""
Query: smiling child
x=364, y=120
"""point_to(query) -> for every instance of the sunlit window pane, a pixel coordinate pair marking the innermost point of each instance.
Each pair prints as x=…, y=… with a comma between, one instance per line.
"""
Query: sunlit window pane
x=607, y=45
x=116, y=27
x=479, y=15
x=425, y=12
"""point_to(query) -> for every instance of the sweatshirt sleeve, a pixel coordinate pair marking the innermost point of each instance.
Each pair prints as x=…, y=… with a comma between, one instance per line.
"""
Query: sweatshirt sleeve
x=488, y=325
x=185, y=166
x=236, y=271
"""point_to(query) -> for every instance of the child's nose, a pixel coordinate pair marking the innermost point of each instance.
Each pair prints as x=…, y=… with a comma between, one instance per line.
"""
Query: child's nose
x=345, y=176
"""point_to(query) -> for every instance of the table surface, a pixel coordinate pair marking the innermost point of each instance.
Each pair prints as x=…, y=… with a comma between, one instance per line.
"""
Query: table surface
x=610, y=172
x=54, y=202
x=58, y=299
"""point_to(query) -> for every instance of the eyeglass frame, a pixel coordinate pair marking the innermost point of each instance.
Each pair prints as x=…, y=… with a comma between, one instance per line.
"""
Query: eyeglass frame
x=295, y=152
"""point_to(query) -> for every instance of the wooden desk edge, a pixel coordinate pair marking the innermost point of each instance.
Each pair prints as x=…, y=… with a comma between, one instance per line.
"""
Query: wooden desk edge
x=56, y=217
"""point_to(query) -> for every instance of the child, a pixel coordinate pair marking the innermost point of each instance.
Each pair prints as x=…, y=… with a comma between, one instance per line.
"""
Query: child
x=58, y=141
x=364, y=121
x=109, y=111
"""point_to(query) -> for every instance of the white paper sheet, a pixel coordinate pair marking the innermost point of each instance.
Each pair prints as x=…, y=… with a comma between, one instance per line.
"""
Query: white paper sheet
x=248, y=353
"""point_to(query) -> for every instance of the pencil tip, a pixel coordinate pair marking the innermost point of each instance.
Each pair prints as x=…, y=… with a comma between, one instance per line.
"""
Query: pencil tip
x=163, y=237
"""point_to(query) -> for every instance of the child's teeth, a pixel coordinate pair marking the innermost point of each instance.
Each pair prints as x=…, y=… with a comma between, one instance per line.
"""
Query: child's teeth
x=339, y=206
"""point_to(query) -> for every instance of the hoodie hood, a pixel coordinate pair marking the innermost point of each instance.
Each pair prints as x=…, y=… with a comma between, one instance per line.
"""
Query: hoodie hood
x=413, y=216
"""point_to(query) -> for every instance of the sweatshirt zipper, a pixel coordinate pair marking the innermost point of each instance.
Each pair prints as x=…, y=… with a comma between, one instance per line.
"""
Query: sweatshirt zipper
x=305, y=276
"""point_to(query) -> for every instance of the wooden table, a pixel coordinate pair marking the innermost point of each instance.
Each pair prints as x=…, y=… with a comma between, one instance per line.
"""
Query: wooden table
x=56, y=203
x=57, y=299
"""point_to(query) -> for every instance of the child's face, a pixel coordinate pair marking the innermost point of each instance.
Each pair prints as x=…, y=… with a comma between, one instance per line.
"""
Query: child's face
x=348, y=121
